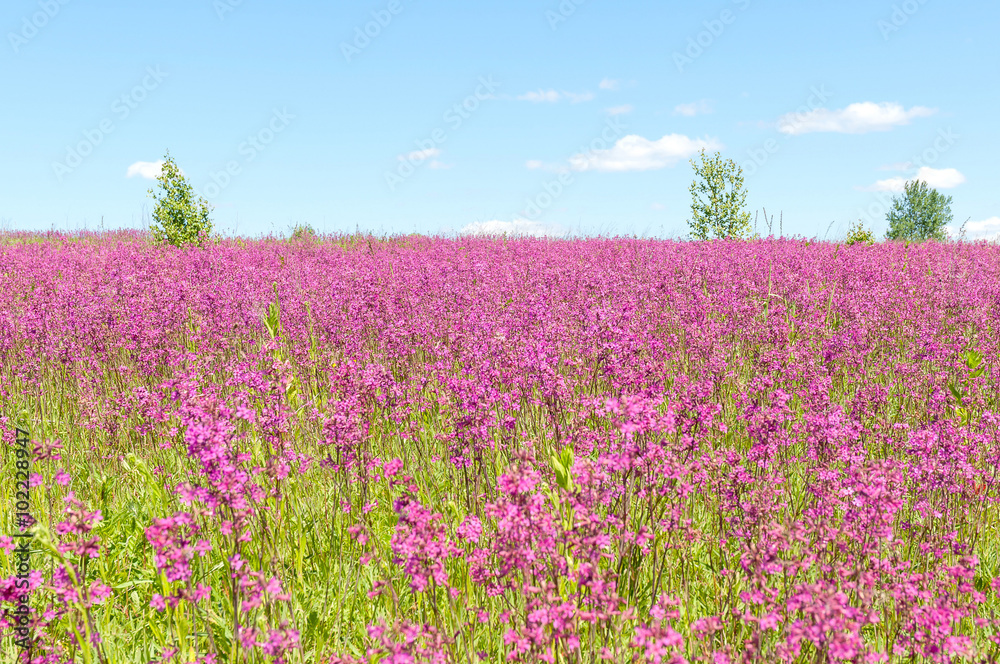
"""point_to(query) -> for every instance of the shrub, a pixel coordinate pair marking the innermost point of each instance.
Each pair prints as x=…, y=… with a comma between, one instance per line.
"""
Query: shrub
x=857, y=234
x=303, y=232
x=179, y=217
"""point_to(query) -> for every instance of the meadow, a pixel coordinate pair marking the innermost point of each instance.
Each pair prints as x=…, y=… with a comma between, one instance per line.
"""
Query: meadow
x=353, y=449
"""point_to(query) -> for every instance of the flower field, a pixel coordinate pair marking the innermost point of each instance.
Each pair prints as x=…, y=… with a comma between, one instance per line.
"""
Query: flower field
x=416, y=449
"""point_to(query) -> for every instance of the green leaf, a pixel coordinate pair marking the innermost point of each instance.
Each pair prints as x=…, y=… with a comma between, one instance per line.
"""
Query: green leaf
x=561, y=475
x=563, y=466
x=566, y=457
x=298, y=558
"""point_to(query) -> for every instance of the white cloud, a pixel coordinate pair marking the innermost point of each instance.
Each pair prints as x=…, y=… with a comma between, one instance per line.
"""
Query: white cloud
x=855, y=119
x=149, y=170
x=940, y=178
x=635, y=153
x=895, y=185
x=439, y=166
x=552, y=96
x=420, y=155
x=693, y=109
x=936, y=178
x=534, y=164
x=620, y=110
x=513, y=227
x=610, y=84
x=658, y=206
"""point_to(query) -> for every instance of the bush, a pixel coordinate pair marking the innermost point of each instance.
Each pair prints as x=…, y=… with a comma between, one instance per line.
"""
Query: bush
x=857, y=234
x=179, y=218
x=303, y=232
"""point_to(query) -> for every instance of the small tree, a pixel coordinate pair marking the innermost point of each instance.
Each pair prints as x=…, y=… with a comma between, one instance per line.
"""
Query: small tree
x=921, y=213
x=859, y=234
x=303, y=232
x=718, y=199
x=179, y=217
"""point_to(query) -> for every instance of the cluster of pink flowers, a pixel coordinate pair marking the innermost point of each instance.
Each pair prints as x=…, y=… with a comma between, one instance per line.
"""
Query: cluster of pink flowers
x=520, y=450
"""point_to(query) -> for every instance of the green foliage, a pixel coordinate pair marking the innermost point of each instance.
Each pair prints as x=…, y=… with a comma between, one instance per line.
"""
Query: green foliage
x=179, y=218
x=921, y=213
x=272, y=321
x=973, y=361
x=858, y=234
x=563, y=466
x=718, y=199
x=303, y=232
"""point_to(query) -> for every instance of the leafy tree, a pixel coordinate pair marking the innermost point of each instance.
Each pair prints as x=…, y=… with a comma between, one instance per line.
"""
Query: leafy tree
x=718, y=199
x=179, y=217
x=921, y=213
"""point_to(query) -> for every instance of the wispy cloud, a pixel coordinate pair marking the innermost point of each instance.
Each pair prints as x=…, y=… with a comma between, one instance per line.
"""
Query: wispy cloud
x=620, y=110
x=858, y=118
x=610, y=84
x=537, y=165
x=420, y=155
x=899, y=166
x=936, y=178
x=575, y=98
x=635, y=153
x=513, y=227
x=693, y=109
x=553, y=96
x=149, y=170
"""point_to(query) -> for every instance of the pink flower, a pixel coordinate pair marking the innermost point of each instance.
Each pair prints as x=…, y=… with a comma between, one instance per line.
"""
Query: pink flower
x=392, y=467
x=471, y=529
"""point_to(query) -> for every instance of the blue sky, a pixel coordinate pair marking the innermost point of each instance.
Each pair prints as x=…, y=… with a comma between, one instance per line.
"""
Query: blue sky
x=400, y=116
